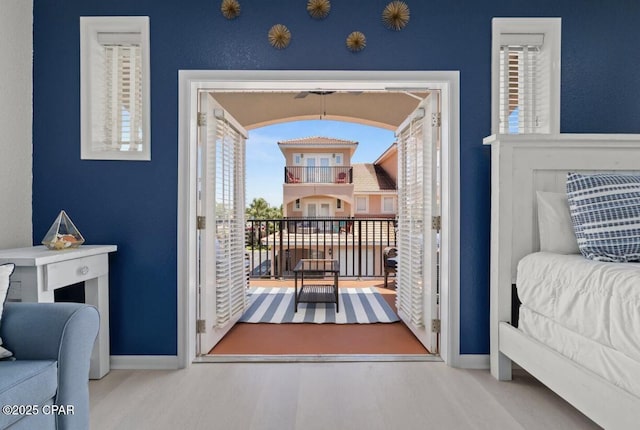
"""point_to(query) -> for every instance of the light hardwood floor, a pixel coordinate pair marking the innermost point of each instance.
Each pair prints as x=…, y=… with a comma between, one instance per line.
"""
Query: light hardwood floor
x=309, y=396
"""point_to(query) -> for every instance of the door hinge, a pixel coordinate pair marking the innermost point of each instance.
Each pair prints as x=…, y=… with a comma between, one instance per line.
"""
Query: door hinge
x=436, y=223
x=202, y=119
x=436, y=120
x=435, y=326
x=201, y=326
x=201, y=222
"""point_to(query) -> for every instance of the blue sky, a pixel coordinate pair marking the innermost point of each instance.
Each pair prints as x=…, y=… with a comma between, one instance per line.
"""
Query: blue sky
x=265, y=163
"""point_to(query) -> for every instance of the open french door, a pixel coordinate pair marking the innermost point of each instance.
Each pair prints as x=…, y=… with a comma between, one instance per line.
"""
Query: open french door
x=419, y=221
x=222, y=281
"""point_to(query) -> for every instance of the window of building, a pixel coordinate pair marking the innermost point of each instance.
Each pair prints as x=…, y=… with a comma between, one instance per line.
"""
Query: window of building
x=338, y=160
x=297, y=204
x=297, y=159
x=362, y=204
x=525, y=75
x=338, y=204
x=114, y=85
x=388, y=204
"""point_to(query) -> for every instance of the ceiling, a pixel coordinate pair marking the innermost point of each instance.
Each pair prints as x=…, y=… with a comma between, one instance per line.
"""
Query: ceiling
x=381, y=109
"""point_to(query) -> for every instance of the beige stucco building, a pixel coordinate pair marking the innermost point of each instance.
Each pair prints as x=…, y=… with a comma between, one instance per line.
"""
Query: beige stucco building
x=320, y=180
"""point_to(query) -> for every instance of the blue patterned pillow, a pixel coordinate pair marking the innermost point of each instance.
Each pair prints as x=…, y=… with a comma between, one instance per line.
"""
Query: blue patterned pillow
x=605, y=212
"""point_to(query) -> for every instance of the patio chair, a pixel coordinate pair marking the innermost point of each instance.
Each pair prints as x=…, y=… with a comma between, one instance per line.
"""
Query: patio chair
x=390, y=262
x=292, y=179
x=341, y=178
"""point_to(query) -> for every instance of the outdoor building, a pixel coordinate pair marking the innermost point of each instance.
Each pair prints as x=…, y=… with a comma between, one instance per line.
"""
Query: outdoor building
x=321, y=182
x=332, y=208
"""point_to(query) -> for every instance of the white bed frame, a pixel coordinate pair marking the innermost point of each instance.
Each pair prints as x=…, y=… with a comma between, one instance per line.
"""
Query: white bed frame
x=520, y=166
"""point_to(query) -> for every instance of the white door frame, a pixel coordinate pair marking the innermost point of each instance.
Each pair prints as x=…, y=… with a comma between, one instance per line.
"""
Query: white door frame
x=189, y=82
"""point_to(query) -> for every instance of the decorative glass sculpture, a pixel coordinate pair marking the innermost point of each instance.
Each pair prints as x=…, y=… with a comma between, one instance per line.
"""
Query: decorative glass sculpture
x=62, y=234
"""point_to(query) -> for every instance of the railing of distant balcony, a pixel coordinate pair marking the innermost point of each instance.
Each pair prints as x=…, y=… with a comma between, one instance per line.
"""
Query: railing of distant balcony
x=274, y=246
x=318, y=175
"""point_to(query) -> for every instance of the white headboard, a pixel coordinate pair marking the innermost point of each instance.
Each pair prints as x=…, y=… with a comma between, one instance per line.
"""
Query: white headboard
x=524, y=164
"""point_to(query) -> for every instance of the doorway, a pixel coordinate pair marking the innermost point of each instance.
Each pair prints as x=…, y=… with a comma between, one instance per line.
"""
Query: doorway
x=446, y=82
x=222, y=297
x=318, y=209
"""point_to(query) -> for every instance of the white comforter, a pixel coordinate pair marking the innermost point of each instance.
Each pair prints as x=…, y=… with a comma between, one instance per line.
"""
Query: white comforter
x=598, y=300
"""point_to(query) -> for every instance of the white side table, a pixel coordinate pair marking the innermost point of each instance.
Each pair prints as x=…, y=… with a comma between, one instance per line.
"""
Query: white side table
x=39, y=271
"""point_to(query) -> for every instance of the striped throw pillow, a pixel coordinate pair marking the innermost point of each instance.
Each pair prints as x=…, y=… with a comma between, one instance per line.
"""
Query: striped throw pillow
x=605, y=212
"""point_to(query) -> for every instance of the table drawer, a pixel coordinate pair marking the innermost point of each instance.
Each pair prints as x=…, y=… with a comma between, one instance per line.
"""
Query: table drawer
x=73, y=271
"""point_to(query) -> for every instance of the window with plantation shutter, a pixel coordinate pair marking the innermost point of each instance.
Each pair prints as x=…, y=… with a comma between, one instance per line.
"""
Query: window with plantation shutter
x=388, y=204
x=115, y=88
x=522, y=98
x=362, y=204
x=526, y=75
x=122, y=98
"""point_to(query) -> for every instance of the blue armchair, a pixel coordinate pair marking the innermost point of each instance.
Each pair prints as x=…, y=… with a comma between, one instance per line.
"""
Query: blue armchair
x=52, y=344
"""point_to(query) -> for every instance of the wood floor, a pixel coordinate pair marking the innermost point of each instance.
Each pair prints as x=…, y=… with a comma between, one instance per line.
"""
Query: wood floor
x=309, y=396
x=313, y=339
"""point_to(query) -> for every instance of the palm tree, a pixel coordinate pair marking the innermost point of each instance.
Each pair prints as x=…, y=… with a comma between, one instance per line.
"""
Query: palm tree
x=259, y=209
x=275, y=212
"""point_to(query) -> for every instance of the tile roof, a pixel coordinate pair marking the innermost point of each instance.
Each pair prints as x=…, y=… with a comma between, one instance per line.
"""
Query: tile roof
x=371, y=178
x=317, y=140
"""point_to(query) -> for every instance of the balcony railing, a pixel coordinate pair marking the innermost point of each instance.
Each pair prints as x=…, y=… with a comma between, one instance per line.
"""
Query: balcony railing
x=318, y=175
x=275, y=246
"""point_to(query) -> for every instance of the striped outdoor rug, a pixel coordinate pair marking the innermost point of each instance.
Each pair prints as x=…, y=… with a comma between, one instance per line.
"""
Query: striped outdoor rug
x=357, y=306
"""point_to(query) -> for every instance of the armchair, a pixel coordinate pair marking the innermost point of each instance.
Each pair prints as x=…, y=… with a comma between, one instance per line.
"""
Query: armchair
x=52, y=344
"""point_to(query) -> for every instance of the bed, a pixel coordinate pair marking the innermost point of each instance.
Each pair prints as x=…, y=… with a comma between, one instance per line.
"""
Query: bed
x=575, y=342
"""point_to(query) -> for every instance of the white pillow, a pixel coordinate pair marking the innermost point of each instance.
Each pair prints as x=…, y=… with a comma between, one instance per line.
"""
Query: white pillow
x=5, y=272
x=554, y=224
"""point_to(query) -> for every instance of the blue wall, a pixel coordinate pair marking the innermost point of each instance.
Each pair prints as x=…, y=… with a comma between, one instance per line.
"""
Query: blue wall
x=133, y=204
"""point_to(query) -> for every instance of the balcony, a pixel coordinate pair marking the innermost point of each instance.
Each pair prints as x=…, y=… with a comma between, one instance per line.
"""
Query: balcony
x=274, y=246
x=318, y=175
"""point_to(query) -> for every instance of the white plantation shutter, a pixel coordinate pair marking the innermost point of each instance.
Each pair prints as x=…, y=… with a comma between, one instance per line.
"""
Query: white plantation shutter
x=525, y=75
x=115, y=88
x=222, y=281
x=524, y=84
x=411, y=223
x=416, y=298
x=122, y=97
x=231, y=281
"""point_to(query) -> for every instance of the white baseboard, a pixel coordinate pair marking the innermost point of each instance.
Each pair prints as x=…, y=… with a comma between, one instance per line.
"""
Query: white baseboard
x=147, y=362
x=169, y=362
x=473, y=361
